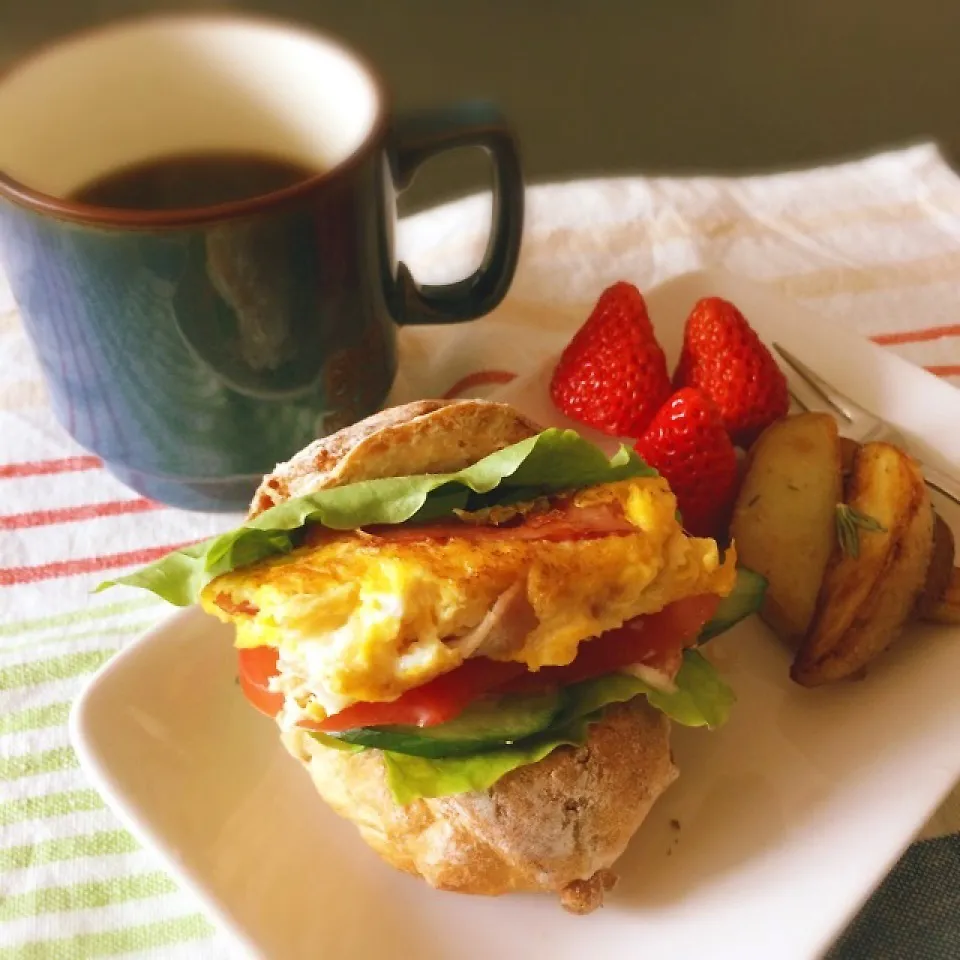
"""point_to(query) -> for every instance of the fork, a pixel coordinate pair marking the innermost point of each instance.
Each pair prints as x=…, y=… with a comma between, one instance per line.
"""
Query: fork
x=861, y=425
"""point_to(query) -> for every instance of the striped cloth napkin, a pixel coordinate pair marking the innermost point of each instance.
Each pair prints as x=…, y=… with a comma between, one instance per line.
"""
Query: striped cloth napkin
x=874, y=244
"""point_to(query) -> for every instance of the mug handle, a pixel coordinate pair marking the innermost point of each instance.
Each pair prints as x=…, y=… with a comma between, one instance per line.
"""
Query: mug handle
x=419, y=136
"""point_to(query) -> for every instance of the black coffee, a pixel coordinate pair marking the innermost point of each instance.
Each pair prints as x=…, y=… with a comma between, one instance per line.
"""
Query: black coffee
x=192, y=180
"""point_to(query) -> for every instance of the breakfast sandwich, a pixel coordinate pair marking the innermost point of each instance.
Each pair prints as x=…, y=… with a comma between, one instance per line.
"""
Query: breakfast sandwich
x=473, y=633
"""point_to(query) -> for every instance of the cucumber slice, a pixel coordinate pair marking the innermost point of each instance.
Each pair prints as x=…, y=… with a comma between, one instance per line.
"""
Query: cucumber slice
x=745, y=599
x=484, y=725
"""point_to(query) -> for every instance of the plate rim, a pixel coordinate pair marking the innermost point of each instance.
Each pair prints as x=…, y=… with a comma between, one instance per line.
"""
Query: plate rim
x=97, y=772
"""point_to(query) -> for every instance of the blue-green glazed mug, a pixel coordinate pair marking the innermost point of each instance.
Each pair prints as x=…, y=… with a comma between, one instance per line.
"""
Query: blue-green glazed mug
x=194, y=338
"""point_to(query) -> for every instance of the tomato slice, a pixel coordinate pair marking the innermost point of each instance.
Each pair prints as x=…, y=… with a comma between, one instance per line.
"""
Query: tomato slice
x=442, y=699
x=255, y=667
x=435, y=702
x=657, y=640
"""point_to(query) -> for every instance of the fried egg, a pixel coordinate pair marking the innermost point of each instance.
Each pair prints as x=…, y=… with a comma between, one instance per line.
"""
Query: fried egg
x=360, y=618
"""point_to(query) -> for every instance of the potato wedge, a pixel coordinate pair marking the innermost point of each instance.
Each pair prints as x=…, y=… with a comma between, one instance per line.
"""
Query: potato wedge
x=948, y=609
x=866, y=599
x=783, y=521
x=848, y=453
x=940, y=569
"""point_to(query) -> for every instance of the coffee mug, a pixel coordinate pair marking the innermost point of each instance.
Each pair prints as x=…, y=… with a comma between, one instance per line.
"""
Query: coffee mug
x=196, y=222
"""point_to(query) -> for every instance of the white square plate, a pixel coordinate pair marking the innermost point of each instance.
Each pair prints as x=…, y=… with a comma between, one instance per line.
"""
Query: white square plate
x=788, y=816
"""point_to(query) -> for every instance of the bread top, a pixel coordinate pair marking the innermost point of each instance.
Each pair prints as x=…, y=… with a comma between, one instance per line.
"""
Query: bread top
x=426, y=436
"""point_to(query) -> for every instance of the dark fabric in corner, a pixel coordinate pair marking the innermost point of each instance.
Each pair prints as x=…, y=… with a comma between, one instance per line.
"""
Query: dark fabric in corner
x=915, y=914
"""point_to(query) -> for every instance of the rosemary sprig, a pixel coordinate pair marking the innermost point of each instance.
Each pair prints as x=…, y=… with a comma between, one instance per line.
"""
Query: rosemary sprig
x=849, y=524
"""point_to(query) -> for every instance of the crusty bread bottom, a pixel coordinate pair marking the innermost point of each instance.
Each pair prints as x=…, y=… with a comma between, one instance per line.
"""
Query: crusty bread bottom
x=555, y=826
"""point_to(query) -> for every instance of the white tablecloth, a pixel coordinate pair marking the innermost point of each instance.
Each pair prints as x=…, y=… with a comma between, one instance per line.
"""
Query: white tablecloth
x=873, y=244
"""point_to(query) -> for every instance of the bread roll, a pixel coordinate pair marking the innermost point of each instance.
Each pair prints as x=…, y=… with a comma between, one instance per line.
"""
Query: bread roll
x=555, y=826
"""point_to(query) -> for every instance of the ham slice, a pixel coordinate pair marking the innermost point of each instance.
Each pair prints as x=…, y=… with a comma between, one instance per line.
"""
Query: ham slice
x=561, y=522
x=503, y=629
x=235, y=608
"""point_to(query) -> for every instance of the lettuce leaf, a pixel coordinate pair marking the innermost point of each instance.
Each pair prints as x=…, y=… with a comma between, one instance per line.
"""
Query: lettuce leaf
x=413, y=778
x=552, y=461
x=701, y=699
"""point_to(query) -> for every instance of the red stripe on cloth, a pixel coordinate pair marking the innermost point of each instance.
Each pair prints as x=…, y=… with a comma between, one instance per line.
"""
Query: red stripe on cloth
x=11, y=576
x=87, y=511
x=917, y=336
x=479, y=379
x=39, y=468
x=948, y=370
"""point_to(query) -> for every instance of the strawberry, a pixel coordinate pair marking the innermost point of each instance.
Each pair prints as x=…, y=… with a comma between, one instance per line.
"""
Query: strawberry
x=687, y=443
x=723, y=356
x=613, y=374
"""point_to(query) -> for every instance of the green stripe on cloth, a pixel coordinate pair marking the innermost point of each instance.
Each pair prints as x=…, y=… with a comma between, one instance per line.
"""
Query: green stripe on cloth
x=77, y=616
x=35, y=718
x=85, y=896
x=30, y=764
x=102, y=844
x=122, y=631
x=109, y=943
x=52, y=805
x=58, y=668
